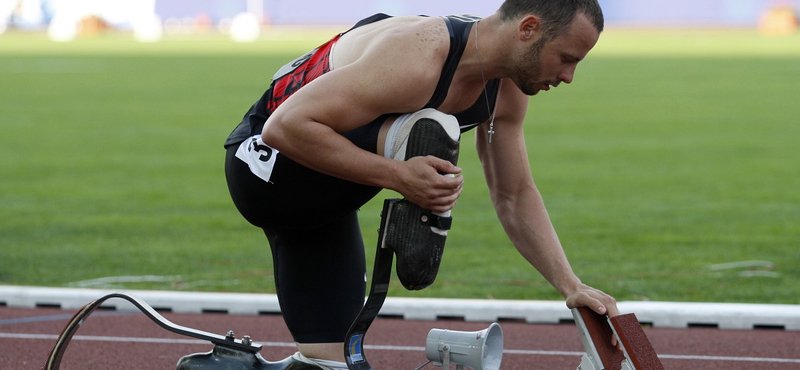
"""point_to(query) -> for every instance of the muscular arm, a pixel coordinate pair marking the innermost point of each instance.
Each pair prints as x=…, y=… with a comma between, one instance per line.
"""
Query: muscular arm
x=520, y=207
x=390, y=74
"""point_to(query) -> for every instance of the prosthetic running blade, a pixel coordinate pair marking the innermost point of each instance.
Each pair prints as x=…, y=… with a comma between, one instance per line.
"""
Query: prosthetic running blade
x=596, y=331
x=228, y=352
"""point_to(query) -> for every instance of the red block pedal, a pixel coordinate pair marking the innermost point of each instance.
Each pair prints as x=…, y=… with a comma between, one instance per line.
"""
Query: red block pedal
x=600, y=334
x=639, y=350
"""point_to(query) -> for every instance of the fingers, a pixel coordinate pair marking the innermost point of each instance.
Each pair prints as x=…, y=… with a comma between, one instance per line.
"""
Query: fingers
x=445, y=188
x=443, y=194
x=443, y=203
x=594, y=299
x=433, y=184
x=612, y=308
x=443, y=166
x=615, y=343
x=609, y=304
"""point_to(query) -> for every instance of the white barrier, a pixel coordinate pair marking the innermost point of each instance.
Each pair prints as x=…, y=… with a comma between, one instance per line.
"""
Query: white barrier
x=658, y=314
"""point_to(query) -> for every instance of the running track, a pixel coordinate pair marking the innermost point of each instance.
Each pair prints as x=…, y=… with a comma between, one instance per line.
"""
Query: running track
x=111, y=339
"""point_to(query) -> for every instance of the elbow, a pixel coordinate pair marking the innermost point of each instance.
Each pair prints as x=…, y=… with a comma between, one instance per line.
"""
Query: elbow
x=272, y=132
x=503, y=204
x=284, y=129
x=510, y=200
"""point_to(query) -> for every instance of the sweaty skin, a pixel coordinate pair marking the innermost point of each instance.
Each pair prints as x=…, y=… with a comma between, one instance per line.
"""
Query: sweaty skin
x=393, y=66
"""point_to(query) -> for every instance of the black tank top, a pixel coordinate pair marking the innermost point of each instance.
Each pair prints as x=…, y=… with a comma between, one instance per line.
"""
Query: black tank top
x=305, y=69
x=479, y=112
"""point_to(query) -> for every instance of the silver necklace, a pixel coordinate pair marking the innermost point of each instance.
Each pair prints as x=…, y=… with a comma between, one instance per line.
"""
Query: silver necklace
x=486, y=94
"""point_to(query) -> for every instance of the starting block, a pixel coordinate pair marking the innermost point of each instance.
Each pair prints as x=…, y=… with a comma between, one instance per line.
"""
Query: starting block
x=596, y=331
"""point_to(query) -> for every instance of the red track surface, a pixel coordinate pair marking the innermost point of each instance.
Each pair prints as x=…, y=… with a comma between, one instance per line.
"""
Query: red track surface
x=120, y=341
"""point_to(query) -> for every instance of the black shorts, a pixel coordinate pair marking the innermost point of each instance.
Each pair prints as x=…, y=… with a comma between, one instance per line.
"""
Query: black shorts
x=310, y=220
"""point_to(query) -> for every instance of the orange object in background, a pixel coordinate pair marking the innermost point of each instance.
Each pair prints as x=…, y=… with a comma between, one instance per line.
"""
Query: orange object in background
x=92, y=26
x=782, y=20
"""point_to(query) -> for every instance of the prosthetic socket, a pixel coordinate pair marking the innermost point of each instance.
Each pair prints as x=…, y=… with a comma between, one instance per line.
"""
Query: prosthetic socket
x=416, y=235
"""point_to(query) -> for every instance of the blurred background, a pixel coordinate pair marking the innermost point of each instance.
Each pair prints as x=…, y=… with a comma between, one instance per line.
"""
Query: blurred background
x=670, y=170
x=245, y=20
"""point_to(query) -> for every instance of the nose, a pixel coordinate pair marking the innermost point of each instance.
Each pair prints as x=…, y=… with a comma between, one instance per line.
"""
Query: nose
x=567, y=75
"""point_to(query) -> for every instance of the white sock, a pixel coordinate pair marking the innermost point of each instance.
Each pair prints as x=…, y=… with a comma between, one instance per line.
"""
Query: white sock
x=324, y=364
x=395, y=147
x=390, y=150
x=333, y=365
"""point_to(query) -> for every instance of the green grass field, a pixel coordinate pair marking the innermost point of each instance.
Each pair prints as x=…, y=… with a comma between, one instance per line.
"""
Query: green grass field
x=672, y=153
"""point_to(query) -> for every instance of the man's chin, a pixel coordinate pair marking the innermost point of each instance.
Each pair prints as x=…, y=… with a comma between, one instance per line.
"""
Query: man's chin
x=529, y=89
x=531, y=92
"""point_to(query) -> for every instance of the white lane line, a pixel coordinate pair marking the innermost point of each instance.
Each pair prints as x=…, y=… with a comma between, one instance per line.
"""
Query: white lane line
x=386, y=347
x=670, y=357
x=727, y=358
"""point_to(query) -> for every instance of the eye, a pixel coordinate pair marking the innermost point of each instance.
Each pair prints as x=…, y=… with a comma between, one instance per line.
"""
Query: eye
x=566, y=59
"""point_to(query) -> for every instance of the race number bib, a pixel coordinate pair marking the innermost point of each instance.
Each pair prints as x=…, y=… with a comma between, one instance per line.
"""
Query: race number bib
x=258, y=156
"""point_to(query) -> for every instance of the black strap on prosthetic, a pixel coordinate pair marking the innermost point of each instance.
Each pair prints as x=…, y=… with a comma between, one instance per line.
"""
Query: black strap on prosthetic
x=381, y=273
x=57, y=353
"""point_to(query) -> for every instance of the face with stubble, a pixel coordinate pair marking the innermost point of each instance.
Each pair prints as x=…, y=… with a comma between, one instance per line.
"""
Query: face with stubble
x=547, y=63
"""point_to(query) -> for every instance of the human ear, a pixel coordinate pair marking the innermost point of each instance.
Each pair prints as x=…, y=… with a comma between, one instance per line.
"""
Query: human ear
x=529, y=27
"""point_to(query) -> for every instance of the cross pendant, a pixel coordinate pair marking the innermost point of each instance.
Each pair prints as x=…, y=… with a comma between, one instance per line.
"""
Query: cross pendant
x=490, y=132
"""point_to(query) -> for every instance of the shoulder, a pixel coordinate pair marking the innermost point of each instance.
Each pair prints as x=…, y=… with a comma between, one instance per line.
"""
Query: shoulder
x=402, y=57
x=398, y=38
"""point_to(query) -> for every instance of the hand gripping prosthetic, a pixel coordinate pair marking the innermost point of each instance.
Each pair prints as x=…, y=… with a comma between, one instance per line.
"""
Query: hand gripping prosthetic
x=416, y=235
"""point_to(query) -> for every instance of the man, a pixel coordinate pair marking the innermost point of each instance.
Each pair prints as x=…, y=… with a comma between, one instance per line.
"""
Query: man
x=321, y=142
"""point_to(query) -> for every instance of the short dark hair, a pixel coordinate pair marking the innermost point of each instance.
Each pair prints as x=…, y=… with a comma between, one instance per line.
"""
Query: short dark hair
x=556, y=15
